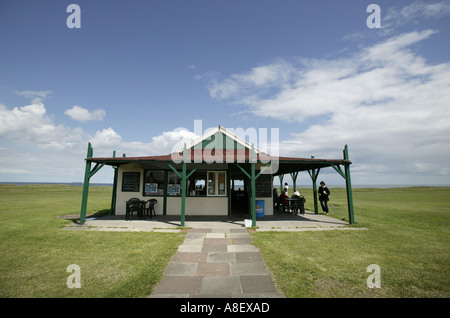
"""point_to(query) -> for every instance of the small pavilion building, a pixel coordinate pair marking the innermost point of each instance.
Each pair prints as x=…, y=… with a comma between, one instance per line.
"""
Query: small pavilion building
x=218, y=174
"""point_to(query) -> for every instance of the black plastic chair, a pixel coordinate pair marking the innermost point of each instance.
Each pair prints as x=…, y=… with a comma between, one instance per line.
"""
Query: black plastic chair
x=133, y=205
x=298, y=205
x=283, y=205
x=151, y=207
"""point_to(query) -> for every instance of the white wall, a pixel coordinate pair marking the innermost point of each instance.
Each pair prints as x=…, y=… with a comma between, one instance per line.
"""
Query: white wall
x=194, y=205
x=198, y=206
x=268, y=205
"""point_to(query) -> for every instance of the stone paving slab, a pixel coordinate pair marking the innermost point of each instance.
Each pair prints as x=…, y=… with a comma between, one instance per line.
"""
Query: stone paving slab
x=218, y=268
x=214, y=224
x=217, y=257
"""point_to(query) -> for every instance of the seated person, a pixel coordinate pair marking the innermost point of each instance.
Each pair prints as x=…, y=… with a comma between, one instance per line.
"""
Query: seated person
x=275, y=198
x=283, y=198
x=296, y=194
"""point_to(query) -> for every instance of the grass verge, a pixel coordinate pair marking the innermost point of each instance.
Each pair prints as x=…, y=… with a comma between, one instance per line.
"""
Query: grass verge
x=35, y=252
x=408, y=238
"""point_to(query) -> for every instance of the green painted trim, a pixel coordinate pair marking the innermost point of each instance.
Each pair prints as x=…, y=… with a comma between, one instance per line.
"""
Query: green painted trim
x=263, y=169
x=314, y=173
x=193, y=170
x=183, y=188
x=243, y=170
x=281, y=177
x=87, y=173
x=175, y=170
x=97, y=167
x=348, y=186
x=114, y=192
x=294, y=179
x=339, y=170
x=166, y=181
x=253, y=181
x=229, y=190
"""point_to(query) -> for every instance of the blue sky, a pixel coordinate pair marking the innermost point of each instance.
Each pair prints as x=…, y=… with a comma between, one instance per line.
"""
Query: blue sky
x=137, y=74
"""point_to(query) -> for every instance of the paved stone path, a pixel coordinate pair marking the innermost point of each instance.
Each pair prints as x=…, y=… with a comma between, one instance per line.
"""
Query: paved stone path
x=217, y=262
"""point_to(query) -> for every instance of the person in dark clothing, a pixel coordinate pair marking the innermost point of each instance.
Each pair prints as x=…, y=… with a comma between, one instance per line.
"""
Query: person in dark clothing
x=324, y=193
x=284, y=204
x=275, y=198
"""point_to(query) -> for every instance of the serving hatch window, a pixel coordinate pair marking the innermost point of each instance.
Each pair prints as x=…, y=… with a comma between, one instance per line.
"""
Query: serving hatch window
x=174, y=184
x=154, y=182
x=216, y=183
x=196, y=184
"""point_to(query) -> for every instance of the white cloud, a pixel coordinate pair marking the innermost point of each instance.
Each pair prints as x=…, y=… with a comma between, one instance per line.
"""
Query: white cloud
x=34, y=148
x=38, y=96
x=106, y=138
x=170, y=141
x=416, y=10
x=393, y=18
x=83, y=115
x=262, y=77
x=385, y=101
x=30, y=125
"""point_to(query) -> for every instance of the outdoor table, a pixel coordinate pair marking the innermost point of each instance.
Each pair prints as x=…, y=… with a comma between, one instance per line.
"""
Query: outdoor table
x=134, y=205
x=291, y=207
x=289, y=201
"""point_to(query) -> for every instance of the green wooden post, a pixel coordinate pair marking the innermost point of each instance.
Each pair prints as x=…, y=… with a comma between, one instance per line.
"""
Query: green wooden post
x=348, y=186
x=316, y=207
x=183, y=188
x=253, y=182
x=166, y=182
x=230, y=185
x=281, y=177
x=314, y=174
x=114, y=193
x=87, y=175
x=294, y=179
x=184, y=176
x=252, y=176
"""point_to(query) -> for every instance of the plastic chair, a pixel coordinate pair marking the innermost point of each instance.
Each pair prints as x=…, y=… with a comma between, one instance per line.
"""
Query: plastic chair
x=133, y=205
x=299, y=205
x=151, y=207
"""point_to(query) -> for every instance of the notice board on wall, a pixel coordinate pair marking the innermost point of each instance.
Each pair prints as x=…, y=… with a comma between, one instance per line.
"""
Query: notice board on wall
x=130, y=181
x=263, y=185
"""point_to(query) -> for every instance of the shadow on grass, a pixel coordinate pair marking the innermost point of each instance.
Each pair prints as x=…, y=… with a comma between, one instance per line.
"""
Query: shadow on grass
x=75, y=218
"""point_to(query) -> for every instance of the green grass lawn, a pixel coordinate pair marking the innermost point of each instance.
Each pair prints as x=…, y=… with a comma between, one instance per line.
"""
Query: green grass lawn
x=407, y=236
x=35, y=251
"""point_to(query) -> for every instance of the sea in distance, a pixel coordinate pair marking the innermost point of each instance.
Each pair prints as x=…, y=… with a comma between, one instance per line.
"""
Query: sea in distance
x=237, y=186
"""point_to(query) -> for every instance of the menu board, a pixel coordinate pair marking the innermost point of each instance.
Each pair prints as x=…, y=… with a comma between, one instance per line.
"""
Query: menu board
x=173, y=189
x=263, y=185
x=151, y=188
x=130, y=181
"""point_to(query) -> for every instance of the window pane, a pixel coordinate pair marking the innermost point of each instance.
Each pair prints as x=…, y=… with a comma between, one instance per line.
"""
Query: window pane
x=154, y=182
x=196, y=184
x=211, y=183
x=221, y=183
x=174, y=184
